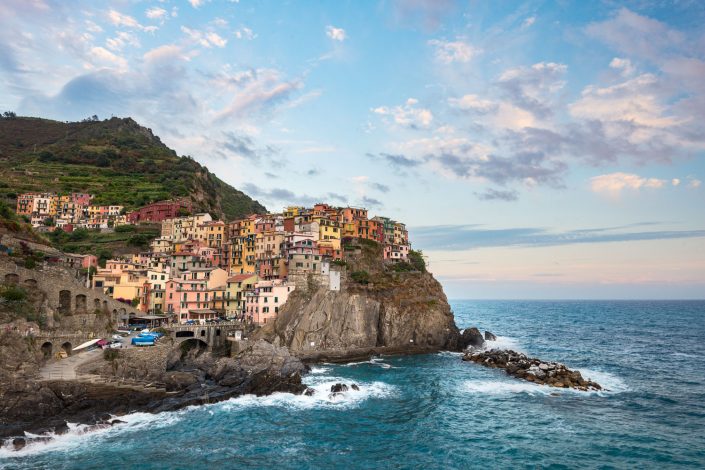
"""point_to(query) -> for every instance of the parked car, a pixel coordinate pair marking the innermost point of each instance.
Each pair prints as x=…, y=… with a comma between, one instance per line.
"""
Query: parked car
x=115, y=345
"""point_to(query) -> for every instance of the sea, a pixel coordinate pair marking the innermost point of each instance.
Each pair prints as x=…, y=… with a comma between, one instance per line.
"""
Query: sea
x=435, y=412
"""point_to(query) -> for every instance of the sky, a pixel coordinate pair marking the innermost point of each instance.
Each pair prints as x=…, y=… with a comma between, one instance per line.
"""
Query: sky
x=540, y=149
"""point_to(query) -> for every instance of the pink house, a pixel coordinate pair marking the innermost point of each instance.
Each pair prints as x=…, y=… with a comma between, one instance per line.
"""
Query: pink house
x=263, y=303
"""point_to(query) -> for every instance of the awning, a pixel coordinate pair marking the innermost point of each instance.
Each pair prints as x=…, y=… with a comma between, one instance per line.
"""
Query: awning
x=86, y=344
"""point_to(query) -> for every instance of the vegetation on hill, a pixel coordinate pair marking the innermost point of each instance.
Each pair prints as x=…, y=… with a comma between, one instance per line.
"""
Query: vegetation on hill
x=117, y=160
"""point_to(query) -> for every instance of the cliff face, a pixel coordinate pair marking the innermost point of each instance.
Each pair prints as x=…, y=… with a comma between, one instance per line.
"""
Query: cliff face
x=406, y=313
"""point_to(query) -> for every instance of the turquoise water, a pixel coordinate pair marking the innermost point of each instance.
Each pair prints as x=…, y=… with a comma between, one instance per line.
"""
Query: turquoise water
x=434, y=411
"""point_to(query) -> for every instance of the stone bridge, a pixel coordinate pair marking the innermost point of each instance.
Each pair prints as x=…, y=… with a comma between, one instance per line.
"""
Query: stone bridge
x=64, y=294
x=53, y=344
x=210, y=336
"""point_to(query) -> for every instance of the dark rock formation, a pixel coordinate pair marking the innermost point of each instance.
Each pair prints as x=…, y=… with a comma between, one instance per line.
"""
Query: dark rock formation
x=194, y=378
x=489, y=336
x=337, y=388
x=531, y=369
x=471, y=337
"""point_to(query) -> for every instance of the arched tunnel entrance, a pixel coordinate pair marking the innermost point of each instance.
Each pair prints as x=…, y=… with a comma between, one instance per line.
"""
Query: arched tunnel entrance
x=46, y=349
x=184, y=334
x=67, y=348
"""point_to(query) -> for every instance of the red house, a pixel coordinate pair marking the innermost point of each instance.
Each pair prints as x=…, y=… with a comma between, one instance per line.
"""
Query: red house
x=158, y=211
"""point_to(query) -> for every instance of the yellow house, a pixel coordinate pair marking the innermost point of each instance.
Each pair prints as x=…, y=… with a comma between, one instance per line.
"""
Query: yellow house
x=235, y=293
x=329, y=234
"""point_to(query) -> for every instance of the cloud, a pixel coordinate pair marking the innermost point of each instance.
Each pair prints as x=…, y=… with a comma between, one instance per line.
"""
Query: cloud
x=407, y=115
x=286, y=197
x=197, y=3
x=533, y=88
x=528, y=22
x=614, y=183
x=382, y=188
x=101, y=55
x=397, y=160
x=448, y=52
x=118, y=19
x=204, y=38
x=245, y=33
x=243, y=146
x=252, y=91
x=336, y=34
x=498, y=195
x=156, y=13
x=371, y=202
x=121, y=40
x=468, y=237
x=472, y=102
x=694, y=183
x=623, y=65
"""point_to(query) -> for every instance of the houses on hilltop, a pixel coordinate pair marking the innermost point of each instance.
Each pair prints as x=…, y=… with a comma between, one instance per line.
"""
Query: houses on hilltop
x=200, y=269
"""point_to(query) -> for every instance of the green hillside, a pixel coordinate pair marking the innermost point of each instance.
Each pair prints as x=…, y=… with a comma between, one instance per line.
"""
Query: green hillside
x=117, y=160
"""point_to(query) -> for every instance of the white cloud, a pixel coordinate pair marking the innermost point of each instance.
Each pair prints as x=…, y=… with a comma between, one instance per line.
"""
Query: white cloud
x=448, y=52
x=407, y=115
x=118, y=19
x=121, y=40
x=675, y=181
x=693, y=183
x=337, y=34
x=156, y=13
x=205, y=39
x=166, y=52
x=472, y=103
x=528, y=22
x=245, y=33
x=102, y=56
x=623, y=65
x=196, y=3
x=614, y=183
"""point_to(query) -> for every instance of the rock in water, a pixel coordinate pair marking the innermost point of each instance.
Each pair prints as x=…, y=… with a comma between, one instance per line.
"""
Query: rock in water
x=355, y=387
x=489, y=336
x=18, y=443
x=309, y=392
x=337, y=388
x=531, y=369
x=471, y=337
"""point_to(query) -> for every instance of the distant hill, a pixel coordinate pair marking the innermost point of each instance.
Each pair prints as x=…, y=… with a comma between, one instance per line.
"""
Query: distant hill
x=117, y=160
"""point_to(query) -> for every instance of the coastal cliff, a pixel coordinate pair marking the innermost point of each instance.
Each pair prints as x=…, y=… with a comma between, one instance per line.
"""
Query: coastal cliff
x=393, y=312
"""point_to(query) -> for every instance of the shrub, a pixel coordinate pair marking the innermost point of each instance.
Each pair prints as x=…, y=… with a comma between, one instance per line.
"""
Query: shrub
x=110, y=354
x=402, y=267
x=361, y=277
x=13, y=293
x=416, y=259
x=124, y=228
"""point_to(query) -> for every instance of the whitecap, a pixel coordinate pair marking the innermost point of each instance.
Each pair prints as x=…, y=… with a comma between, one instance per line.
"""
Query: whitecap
x=503, y=342
x=322, y=397
x=319, y=370
x=609, y=382
x=79, y=435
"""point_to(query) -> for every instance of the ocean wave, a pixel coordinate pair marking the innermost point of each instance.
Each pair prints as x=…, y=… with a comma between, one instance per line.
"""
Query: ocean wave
x=375, y=361
x=322, y=397
x=319, y=370
x=80, y=434
x=504, y=342
x=609, y=382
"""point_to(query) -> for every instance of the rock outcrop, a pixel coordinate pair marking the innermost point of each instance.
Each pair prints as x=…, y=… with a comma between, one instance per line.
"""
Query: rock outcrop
x=408, y=314
x=519, y=365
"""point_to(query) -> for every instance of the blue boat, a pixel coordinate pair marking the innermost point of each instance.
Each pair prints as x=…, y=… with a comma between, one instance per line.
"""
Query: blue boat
x=143, y=341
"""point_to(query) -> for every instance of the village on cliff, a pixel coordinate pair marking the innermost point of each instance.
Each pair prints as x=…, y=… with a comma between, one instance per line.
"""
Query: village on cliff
x=204, y=270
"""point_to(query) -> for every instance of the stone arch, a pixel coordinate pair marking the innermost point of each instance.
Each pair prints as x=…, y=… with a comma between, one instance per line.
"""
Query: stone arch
x=81, y=307
x=217, y=332
x=12, y=278
x=67, y=348
x=203, y=332
x=106, y=309
x=96, y=305
x=194, y=343
x=30, y=283
x=65, y=302
x=185, y=334
x=46, y=349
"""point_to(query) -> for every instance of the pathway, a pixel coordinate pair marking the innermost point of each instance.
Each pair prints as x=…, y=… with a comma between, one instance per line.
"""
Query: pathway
x=65, y=369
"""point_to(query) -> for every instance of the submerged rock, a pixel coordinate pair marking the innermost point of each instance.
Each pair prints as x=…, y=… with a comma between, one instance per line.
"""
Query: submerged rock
x=531, y=369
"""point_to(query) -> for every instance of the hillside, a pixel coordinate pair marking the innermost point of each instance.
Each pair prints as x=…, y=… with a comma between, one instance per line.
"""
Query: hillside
x=117, y=160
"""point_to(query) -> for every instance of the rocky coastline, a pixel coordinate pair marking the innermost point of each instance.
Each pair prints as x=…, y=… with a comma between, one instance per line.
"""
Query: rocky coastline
x=531, y=369
x=190, y=377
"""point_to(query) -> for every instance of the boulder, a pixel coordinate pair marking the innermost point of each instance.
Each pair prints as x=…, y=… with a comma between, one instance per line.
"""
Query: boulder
x=309, y=392
x=355, y=387
x=489, y=336
x=471, y=337
x=337, y=388
x=19, y=443
x=61, y=428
